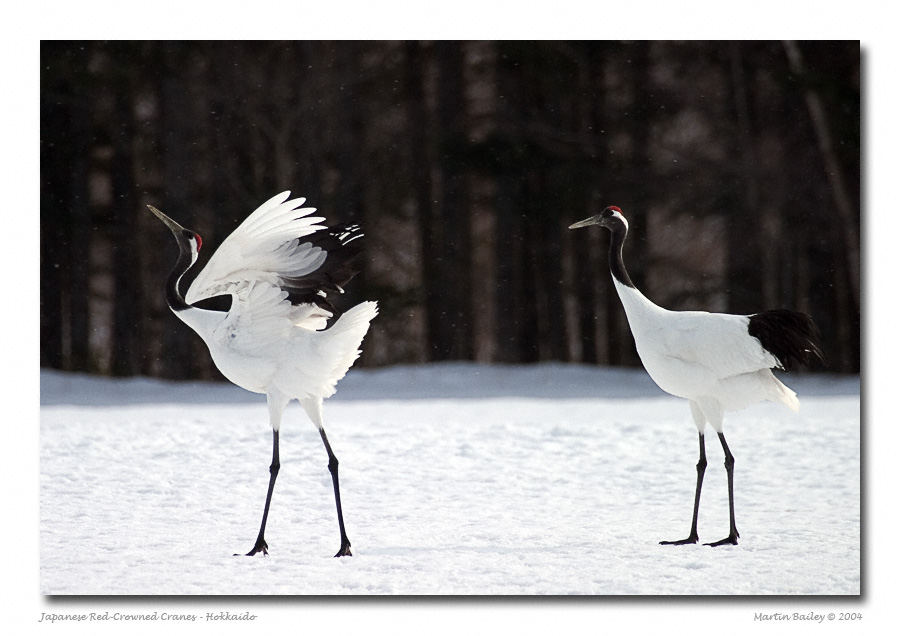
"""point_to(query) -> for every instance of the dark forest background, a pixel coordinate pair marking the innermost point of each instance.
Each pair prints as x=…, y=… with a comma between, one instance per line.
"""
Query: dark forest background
x=736, y=163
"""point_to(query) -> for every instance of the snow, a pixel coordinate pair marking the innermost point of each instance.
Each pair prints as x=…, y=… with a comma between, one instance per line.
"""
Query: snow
x=456, y=479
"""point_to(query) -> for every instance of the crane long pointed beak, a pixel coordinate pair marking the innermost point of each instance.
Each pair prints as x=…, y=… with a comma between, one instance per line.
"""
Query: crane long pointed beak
x=172, y=225
x=594, y=220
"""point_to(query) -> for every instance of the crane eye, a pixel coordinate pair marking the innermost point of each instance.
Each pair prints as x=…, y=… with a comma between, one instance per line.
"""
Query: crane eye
x=192, y=235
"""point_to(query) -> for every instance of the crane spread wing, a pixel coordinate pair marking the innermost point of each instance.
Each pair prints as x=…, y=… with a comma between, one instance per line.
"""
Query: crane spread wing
x=265, y=247
x=282, y=261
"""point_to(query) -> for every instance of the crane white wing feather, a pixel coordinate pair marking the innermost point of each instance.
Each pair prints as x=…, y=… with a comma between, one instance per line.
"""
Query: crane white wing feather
x=262, y=320
x=258, y=321
x=719, y=342
x=274, y=213
x=268, y=245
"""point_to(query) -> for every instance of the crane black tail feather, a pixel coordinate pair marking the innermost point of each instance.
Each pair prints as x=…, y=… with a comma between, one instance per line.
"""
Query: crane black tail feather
x=791, y=336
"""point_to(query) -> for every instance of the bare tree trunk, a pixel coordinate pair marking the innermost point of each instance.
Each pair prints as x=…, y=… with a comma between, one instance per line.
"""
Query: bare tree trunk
x=511, y=310
x=743, y=274
x=181, y=347
x=751, y=252
x=548, y=246
x=421, y=162
x=65, y=215
x=54, y=259
x=127, y=310
x=80, y=236
x=846, y=209
x=590, y=259
x=451, y=307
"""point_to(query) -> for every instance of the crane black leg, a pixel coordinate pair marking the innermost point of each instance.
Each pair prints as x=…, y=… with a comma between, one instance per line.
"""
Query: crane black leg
x=261, y=545
x=733, y=535
x=333, y=468
x=701, y=469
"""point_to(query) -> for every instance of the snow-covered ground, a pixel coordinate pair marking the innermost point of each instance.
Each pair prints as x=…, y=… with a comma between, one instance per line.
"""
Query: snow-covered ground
x=457, y=479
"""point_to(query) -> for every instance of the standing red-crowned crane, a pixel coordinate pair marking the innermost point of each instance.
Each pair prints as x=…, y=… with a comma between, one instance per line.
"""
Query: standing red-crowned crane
x=718, y=362
x=277, y=267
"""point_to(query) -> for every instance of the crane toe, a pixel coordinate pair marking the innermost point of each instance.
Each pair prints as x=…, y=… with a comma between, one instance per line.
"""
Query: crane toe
x=689, y=540
x=261, y=546
x=731, y=539
x=345, y=550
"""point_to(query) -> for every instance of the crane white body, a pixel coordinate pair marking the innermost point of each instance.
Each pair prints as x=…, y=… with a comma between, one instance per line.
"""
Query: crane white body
x=702, y=356
x=259, y=347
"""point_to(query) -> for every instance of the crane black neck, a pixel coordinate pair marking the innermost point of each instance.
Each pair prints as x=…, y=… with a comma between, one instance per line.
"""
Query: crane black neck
x=616, y=263
x=173, y=295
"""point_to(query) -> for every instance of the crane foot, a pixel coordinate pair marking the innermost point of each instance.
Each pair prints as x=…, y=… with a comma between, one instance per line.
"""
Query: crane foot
x=691, y=539
x=261, y=546
x=731, y=539
x=345, y=550
x=687, y=541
